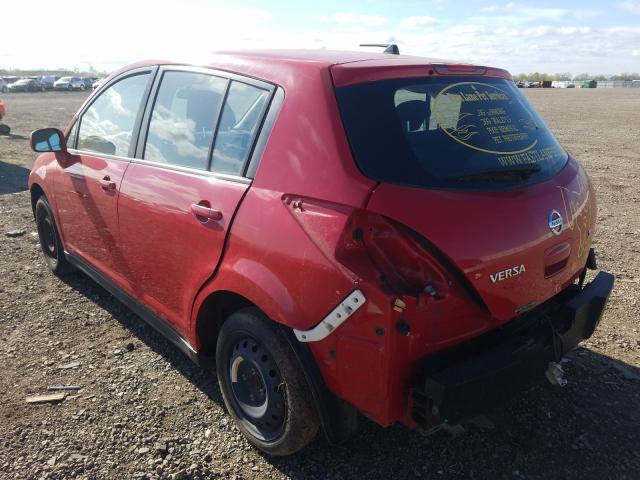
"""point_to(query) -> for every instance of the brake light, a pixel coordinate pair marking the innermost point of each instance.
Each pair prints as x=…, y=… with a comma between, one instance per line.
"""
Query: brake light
x=380, y=250
x=444, y=69
x=465, y=69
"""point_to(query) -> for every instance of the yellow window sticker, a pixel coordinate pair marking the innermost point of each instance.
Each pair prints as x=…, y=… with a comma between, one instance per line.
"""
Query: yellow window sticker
x=487, y=119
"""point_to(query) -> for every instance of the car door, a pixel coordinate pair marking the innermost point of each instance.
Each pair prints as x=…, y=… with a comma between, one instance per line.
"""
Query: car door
x=174, y=209
x=88, y=182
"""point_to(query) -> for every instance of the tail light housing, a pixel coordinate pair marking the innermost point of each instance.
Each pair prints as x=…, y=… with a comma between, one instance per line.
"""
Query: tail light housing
x=371, y=247
x=380, y=250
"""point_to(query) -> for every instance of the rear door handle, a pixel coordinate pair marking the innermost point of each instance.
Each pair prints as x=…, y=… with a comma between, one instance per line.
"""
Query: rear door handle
x=204, y=212
x=107, y=184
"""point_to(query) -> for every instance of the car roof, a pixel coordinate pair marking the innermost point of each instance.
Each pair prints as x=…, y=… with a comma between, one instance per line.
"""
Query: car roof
x=286, y=67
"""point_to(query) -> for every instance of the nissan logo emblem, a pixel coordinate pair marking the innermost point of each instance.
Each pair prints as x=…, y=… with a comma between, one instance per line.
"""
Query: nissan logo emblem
x=555, y=222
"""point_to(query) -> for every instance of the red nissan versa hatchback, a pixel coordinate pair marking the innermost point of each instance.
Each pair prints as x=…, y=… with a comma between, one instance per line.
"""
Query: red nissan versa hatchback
x=337, y=232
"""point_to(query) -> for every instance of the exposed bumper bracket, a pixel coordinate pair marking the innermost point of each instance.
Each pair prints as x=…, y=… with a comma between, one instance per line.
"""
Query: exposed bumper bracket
x=347, y=307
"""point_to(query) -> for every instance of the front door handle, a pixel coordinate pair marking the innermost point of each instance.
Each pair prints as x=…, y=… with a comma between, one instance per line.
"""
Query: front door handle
x=203, y=212
x=107, y=184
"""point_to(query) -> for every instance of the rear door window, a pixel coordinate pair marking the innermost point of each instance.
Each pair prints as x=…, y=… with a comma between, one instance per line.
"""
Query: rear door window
x=184, y=118
x=241, y=118
x=107, y=125
x=478, y=133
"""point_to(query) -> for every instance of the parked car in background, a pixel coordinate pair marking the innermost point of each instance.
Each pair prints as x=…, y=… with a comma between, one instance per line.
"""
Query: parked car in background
x=335, y=245
x=3, y=86
x=10, y=79
x=47, y=81
x=88, y=82
x=69, y=83
x=4, y=128
x=26, y=85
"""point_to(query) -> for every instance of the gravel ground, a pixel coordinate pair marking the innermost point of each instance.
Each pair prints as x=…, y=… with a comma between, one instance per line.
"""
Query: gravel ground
x=146, y=412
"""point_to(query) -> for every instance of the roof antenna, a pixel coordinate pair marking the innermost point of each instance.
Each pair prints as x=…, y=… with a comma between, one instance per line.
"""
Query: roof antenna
x=391, y=48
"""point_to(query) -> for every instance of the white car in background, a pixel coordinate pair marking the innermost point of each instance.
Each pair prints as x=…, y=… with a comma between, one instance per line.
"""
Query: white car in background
x=69, y=83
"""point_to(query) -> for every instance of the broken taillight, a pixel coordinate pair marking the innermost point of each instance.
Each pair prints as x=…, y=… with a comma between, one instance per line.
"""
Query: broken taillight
x=380, y=250
x=371, y=246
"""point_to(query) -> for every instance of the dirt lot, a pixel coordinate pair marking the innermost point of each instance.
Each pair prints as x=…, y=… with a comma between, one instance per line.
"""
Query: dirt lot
x=146, y=412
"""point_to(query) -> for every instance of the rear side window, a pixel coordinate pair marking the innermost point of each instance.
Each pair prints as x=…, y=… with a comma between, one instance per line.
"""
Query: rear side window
x=107, y=125
x=480, y=133
x=184, y=118
x=239, y=124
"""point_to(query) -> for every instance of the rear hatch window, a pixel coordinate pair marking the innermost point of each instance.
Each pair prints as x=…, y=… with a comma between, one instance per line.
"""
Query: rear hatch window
x=448, y=132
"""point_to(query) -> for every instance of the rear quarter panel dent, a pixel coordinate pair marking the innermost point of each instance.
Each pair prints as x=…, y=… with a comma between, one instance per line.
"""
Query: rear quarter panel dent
x=272, y=262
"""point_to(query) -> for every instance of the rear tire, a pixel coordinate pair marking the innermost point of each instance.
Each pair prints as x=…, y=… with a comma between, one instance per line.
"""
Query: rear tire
x=262, y=384
x=50, y=240
x=4, y=129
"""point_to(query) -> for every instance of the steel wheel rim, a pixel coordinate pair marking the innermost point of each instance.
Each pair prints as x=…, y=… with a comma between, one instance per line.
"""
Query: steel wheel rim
x=47, y=237
x=257, y=390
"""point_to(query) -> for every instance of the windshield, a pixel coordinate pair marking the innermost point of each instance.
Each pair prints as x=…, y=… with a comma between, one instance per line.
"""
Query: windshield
x=65, y=79
x=23, y=82
x=443, y=132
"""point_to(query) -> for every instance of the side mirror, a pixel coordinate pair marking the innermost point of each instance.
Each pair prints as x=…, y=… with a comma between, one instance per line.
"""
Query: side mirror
x=48, y=140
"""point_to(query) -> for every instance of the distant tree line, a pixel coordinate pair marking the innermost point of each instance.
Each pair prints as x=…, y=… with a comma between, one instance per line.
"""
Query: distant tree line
x=537, y=76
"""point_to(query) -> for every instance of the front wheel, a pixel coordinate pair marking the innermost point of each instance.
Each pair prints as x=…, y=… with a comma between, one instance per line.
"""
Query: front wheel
x=50, y=240
x=262, y=384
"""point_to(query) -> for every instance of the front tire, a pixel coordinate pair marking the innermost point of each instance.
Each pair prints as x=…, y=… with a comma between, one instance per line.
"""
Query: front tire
x=50, y=240
x=262, y=384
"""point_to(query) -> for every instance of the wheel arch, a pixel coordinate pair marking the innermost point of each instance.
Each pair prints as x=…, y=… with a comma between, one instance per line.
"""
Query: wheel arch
x=212, y=313
x=338, y=419
x=36, y=192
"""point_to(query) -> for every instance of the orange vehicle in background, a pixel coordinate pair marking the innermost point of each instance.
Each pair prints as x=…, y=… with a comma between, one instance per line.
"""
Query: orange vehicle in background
x=4, y=128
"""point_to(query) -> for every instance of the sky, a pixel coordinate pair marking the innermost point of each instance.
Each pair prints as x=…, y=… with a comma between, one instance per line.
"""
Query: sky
x=574, y=36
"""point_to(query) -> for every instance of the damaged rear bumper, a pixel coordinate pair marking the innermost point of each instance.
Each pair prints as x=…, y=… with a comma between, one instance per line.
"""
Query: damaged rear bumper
x=466, y=380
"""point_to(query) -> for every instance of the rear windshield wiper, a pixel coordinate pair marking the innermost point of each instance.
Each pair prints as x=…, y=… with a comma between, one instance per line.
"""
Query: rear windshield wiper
x=520, y=173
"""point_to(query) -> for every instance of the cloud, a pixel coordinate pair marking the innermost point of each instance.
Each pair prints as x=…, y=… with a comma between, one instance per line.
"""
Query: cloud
x=535, y=43
x=354, y=19
x=543, y=47
x=632, y=6
x=469, y=30
x=520, y=13
x=412, y=23
x=207, y=28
